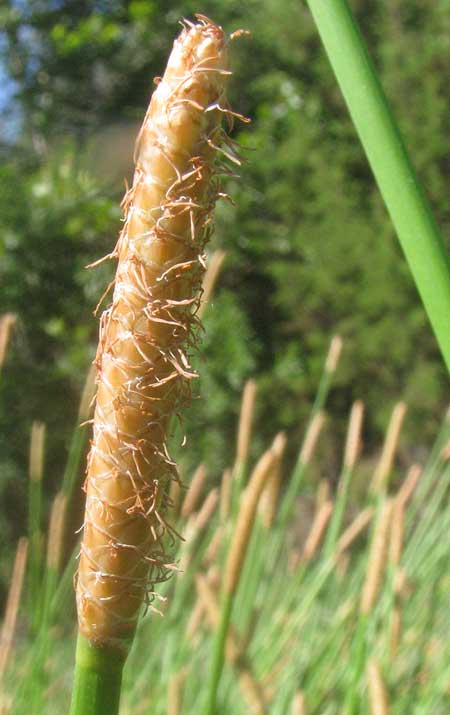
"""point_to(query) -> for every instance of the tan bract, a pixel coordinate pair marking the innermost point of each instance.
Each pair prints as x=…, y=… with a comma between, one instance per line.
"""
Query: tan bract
x=147, y=334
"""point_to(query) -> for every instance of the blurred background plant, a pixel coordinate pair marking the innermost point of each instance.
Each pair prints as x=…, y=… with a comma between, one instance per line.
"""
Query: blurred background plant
x=310, y=249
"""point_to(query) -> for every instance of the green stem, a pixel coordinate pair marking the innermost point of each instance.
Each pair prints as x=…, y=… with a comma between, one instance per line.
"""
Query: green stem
x=409, y=210
x=218, y=656
x=337, y=516
x=98, y=679
x=35, y=551
x=358, y=658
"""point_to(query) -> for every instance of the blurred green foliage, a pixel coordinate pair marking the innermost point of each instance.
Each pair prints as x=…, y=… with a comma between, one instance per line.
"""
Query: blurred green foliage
x=310, y=250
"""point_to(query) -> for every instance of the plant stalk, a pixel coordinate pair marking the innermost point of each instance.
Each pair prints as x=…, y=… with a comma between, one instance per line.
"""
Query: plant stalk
x=98, y=679
x=410, y=212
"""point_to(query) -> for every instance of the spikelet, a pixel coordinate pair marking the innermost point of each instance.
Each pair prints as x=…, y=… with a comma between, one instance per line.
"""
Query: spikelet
x=334, y=354
x=194, y=492
x=377, y=690
x=12, y=605
x=377, y=560
x=225, y=495
x=245, y=423
x=384, y=467
x=210, y=279
x=318, y=527
x=7, y=321
x=311, y=437
x=269, y=498
x=298, y=704
x=147, y=334
x=354, y=529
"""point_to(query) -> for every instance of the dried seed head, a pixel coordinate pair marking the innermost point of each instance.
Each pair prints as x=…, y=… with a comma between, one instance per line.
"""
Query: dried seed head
x=384, y=467
x=37, y=443
x=397, y=532
x=395, y=632
x=225, y=495
x=12, y=604
x=322, y=493
x=354, y=529
x=318, y=527
x=194, y=492
x=245, y=422
x=353, y=443
x=311, y=437
x=376, y=564
x=147, y=334
x=298, y=704
x=87, y=396
x=334, y=354
x=206, y=511
x=6, y=324
x=210, y=278
x=269, y=498
x=55, y=543
x=245, y=519
x=377, y=690
x=407, y=489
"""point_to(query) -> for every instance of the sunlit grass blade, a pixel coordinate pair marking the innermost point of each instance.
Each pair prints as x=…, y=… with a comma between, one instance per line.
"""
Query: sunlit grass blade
x=410, y=212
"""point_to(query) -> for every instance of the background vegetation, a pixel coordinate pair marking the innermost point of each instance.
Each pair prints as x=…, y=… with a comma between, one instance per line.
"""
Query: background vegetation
x=310, y=250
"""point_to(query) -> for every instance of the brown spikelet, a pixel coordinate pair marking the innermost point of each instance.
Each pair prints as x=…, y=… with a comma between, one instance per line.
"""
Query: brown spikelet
x=384, y=466
x=12, y=605
x=269, y=498
x=322, y=493
x=37, y=445
x=397, y=532
x=395, y=632
x=407, y=489
x=225, y=495
x=377, y=691
x=206, y=510
x=377, y=558
x=317, y=530
x=353, y=442
x=195, y=526
x=87, y=396
x=334, y=353
x=245, y=520
x=147, y=334
x=354, y=529
x=245, y=422
x=209, y=279
x=342, y=564
x=445, y=452
x=56, y=532
x=311, y=437
x=194, y=492
x=7, y=321
x=298, y=704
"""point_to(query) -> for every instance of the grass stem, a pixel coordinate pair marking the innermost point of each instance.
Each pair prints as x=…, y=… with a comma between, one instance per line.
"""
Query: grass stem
x=98, y=677
x=410, y=212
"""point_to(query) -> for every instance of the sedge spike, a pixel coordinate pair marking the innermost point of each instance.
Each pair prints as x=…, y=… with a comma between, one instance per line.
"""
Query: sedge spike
x=148, y=333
